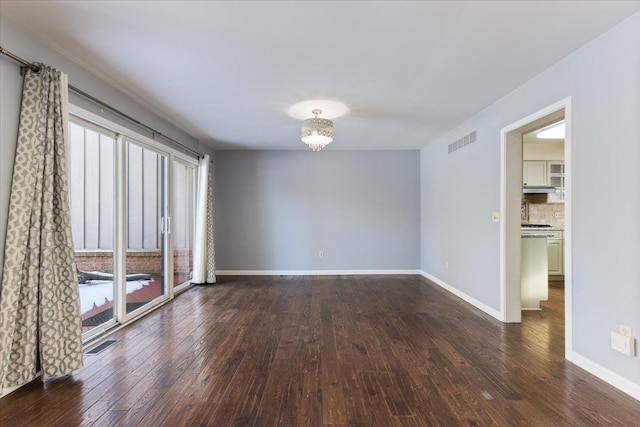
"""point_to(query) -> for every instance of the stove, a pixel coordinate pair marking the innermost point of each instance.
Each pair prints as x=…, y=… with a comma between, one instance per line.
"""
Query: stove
x=540, y=230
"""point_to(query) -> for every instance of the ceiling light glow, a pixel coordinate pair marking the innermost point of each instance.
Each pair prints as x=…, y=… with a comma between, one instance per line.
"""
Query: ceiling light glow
x=554, y=131
x=330, y=109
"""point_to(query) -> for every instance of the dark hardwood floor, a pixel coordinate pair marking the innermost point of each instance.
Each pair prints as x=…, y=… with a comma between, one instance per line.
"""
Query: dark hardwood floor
x=312, y=351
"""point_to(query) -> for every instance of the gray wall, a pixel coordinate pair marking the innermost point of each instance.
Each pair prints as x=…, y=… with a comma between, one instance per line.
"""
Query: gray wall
x=276, y=210
x=459, y=192
x=28, y=47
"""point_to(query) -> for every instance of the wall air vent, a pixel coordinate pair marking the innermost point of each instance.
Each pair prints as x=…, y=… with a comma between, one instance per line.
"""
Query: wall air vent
x=462, y=142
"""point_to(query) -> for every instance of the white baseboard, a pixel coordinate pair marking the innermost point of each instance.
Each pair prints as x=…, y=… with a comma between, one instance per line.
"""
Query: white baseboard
x=474, y=302
x=311, y=272
x=610, y=377
x=616, y=380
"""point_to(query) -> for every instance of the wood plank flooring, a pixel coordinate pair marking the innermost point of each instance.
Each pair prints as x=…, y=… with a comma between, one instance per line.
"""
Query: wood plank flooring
x=318, y=350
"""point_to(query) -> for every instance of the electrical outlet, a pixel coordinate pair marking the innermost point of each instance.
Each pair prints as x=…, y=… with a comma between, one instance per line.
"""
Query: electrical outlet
x=321, y=254
x=557, y=214
x=446, y=264
x=626, y=331
x=623, y=344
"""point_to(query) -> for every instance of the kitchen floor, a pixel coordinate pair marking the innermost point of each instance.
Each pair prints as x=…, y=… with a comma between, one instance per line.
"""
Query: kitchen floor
x=546, y=326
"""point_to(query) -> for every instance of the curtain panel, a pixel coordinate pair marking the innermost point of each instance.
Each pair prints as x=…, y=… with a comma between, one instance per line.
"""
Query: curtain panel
x=204, y=248
x=39, y=303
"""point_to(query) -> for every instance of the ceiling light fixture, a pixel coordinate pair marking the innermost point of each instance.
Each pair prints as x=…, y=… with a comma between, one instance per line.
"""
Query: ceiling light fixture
x=316, y=132
x=554, y=131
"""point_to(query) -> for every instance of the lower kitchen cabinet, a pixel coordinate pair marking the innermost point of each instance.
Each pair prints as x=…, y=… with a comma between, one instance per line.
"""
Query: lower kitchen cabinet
x=555, y=252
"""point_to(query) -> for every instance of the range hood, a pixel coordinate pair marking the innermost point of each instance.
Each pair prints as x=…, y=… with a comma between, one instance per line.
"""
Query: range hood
x=538, y=189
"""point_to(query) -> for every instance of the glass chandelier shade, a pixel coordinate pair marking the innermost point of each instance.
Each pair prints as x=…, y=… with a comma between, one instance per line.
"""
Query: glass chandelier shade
x=316, y=132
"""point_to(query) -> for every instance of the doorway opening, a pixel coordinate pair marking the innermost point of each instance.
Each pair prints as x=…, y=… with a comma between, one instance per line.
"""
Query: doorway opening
x=511, y=177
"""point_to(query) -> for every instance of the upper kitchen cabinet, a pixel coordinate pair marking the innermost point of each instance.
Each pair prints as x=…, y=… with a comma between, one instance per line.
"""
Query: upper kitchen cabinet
x=545, y=173
x=555, y=173
x=534, y=173
x=543, y=165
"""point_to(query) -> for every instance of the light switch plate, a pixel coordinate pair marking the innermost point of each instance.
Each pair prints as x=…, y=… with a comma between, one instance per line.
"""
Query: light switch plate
x=495, y=217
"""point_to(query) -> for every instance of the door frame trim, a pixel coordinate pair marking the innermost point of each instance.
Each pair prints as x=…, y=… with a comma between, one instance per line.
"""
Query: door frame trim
x=510, y=190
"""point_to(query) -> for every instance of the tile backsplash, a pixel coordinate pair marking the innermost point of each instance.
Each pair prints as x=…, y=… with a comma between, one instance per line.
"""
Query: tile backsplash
x=547, y=213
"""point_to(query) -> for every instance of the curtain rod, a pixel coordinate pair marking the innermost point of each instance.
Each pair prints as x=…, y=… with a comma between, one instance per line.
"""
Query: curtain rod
x=16, y=58
x=35, y=68
x=153, y=132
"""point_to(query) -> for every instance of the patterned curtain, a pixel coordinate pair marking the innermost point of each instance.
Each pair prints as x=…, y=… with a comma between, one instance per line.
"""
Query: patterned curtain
x=204, y=267
x=39, y=304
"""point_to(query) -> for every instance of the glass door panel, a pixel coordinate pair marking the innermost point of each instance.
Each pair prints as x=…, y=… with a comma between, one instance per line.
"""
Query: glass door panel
x=145, y=220
x=120, y=185
x=91, y=185
x=183, y=221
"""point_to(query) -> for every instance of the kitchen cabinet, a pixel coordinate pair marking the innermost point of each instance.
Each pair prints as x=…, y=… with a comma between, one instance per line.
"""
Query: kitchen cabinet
x=555, y=249
x=555, y=252
x=555, y=174
x=534, y=173
x=545, y=173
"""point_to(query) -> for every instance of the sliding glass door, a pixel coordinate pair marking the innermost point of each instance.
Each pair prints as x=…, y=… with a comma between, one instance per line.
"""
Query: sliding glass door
x=92, y=196
x=146, y=225
x=183, y=220
x=133, y=218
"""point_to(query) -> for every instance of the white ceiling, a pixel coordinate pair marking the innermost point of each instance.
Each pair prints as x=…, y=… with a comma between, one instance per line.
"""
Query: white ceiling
x=227, y=71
